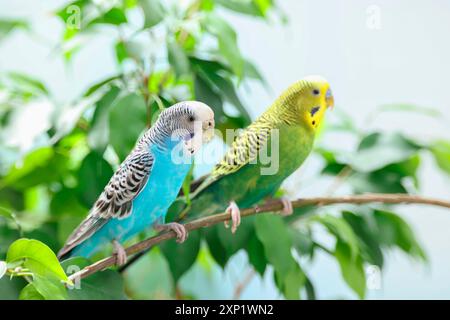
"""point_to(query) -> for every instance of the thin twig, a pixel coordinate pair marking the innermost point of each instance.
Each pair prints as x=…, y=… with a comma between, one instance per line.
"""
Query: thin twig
x=243, y=284
x=269, y=207
x=339, y=180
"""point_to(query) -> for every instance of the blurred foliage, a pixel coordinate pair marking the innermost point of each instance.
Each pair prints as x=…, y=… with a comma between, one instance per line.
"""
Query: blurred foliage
x=166, y=52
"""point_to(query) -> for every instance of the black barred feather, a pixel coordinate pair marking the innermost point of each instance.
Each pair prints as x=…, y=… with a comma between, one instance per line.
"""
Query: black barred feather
x=116, y=199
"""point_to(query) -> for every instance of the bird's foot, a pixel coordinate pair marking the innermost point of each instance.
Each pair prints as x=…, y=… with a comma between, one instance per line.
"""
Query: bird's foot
x=176, y=227
x=235, y=213
x=119, y=252
x=287, y=207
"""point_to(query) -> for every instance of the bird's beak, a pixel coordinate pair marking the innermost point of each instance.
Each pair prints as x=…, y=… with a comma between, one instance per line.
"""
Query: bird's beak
x=329, y=99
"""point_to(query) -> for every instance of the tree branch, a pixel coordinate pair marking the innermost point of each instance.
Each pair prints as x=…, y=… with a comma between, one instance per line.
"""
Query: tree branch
x=273, y=206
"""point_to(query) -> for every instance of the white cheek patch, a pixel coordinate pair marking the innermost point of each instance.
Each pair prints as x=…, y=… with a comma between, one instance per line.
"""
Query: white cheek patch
x=191, y=146
x=195, y=140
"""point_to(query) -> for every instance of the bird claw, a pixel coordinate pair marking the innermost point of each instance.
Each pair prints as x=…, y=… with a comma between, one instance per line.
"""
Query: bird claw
x=235, y=213
x=120, y=253
x=176, y=227
x=287, y=207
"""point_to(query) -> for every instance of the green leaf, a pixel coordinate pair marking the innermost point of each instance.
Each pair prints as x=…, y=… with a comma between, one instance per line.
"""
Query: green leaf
x=367, y=237
x=67, y=12
x=251, y=71
x=186, y=186
x=40, y=166
x=11, y=288
x=344, y=123
x=177, y=58
x=389, y=179
x=248, y=7
x=100, y=85
x=27, y=83
x=153, y=12
x=232, y=243
x=410, y=108
x=332, y=166
x=227, y=39
x=98, y=137
x=127, y=120
x=256, y=255
x=215, y=246
x=352, y=268
x=340, y=228
x=294, y=280
x=394, y=231
x=66, y=224
x=103, y=285
x=10, y=201
x=33, y=160
x=204, y=92
x=441, y=152
x=29, y=292
x=263, y=5
x=303, y=242
x=37, y=257
x=8, y=236
x=46, y=233
x=128, y=4
x=181, y=256
x=113, y=16
x=207, y=5
x=277, y=249
x=6, y=26
x=377, y=150
x=149, y=277
x=213, y=73
x=65, y=202
x=44, y=288
x=175, y=208
x=310, y=291
x=93, y=175
x=121, y=51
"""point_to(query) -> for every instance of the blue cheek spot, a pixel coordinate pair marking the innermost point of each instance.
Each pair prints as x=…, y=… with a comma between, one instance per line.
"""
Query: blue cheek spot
x=314, y=111
x=188, y=136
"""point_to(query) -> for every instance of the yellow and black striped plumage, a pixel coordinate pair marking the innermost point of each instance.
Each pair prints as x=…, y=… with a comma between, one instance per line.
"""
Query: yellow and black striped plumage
x=295, y=116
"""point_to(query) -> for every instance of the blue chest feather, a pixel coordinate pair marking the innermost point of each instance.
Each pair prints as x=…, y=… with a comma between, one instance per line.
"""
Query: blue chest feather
x=149, y=207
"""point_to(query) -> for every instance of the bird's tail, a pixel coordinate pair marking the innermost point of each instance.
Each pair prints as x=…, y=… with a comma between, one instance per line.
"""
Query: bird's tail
x=64, y=254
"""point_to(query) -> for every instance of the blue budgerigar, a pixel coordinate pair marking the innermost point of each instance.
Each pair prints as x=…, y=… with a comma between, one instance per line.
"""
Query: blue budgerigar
x=146, y=183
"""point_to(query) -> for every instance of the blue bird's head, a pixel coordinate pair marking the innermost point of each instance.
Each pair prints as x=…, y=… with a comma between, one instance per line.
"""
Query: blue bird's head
x=189, y=122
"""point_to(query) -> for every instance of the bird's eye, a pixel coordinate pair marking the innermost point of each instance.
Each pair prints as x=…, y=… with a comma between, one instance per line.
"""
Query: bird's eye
x=316, y=92
x=191, y=118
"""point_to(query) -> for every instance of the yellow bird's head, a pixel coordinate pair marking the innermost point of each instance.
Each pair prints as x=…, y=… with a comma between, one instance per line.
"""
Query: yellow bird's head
x=307, y=100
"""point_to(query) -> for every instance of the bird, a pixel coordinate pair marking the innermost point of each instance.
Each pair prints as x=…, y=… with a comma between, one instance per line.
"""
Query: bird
x=145, y=184
x=283, y=134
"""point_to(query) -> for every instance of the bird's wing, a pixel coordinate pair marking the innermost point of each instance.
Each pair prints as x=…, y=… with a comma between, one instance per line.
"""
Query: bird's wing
x=116, y=199
x=244, y=149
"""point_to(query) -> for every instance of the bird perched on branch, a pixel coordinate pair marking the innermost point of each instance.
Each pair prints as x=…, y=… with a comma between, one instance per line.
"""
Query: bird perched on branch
x=264, y=154
x=146, y=183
